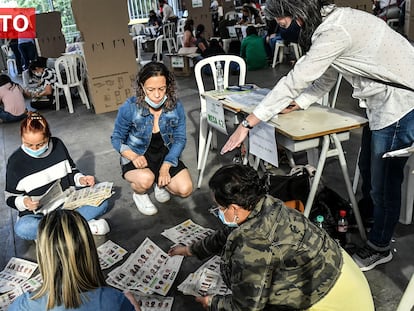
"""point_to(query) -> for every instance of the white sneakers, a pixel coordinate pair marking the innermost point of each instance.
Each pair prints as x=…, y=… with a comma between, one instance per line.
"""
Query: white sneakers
x=99, y=227
x=144, y=204
x=161, y=194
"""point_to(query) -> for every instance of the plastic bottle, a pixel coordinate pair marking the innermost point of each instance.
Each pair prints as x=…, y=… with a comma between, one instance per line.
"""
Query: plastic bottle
x=319, y=221
x=220, y=79
x=342, y=228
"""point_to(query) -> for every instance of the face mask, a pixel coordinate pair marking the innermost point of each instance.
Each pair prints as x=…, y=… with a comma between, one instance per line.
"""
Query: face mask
x=35, y=153
x=154, y=105
x=37, y=74
x=224, y=221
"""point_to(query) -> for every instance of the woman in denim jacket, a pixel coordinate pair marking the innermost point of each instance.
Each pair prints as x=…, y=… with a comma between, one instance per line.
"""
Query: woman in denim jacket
x=150, y=135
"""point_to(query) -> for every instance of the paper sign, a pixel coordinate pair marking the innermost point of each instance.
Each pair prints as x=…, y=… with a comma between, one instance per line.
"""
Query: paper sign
x=262, y=143
x=215, y=116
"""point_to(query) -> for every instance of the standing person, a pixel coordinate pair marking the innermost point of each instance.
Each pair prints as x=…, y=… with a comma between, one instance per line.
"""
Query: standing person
x=167, y=13
x=27, y=51
x=273, y=257
x=14, y=46
x=12, y=100
x=45, y=86
x=37, y=166
x=69, y=266
x=253, y=50
x=150, y=135
x=358, y=45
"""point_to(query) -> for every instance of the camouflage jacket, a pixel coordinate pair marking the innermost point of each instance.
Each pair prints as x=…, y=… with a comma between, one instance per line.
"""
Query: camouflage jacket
x=276, y=260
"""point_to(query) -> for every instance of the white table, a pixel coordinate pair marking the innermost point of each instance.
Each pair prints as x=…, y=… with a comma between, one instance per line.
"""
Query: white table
x=304, y=130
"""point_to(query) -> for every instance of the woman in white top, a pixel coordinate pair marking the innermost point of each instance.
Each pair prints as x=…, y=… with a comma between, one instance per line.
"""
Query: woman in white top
x=13, y=106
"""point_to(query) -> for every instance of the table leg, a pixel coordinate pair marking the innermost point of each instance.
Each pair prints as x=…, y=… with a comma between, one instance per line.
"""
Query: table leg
x=348, y=184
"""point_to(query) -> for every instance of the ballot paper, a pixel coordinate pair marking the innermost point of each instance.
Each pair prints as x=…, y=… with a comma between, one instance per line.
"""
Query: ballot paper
x=205, y=281
x=187, y=233
x=109, y=254
x=153, y=302
x=93, y=196
x=149, y=269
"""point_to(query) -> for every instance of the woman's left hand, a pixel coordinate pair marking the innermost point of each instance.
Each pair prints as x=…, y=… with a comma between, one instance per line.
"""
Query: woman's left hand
x=204, y=300
x=292, y=107
x=164, y=177
x=87, y=181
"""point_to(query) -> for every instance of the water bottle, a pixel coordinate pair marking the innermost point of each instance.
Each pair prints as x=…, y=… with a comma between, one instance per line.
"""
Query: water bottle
x=319, y=221
x=342, y=228
x=220, y=79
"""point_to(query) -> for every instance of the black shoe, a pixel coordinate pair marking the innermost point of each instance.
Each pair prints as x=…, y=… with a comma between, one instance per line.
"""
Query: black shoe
x=368, y=258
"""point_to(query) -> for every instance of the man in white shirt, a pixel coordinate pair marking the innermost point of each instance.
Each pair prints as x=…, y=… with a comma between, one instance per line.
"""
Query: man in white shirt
x=377, y=62
x=167, y=12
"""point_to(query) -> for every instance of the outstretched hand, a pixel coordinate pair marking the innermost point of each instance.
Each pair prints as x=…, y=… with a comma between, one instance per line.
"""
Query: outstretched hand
x=235, y=139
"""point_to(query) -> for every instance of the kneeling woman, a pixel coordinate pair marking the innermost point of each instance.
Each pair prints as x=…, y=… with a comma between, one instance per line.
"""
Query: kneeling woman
x=274, y=258
x=34, y=168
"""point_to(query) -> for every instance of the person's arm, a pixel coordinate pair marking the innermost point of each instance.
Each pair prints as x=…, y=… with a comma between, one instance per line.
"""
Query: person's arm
x=326, y=47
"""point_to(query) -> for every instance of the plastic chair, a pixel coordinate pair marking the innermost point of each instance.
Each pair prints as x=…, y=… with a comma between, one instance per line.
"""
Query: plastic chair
x=231, y=15
x=73, y=68
x=138, y=29
x=180, y=32
x=206, y=132
x=11, y=62
x=407, y=299
x=168, y=32
x=279, y=52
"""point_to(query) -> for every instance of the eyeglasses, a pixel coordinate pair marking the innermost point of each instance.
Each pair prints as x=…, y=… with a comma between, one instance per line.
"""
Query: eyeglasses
x=214, y=209
x=161, y=89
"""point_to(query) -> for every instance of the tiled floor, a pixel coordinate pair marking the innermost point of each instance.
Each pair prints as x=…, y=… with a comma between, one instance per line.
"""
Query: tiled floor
x=87, y=137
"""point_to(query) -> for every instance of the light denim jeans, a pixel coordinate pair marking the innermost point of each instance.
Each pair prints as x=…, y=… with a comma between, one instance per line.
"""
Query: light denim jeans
x=387, y=175
x=26, y=226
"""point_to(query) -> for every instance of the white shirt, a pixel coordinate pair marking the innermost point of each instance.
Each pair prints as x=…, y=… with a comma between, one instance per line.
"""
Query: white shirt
x=385, y=3
x=360, y=46
x=167, y=12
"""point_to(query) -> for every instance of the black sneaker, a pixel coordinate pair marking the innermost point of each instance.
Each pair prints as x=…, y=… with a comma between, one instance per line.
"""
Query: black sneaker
x=368, y=258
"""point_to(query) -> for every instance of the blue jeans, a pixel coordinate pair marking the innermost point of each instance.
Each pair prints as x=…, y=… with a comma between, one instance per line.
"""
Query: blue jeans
x=26, y=226
x=7, y=117
x=386, y=178
x=28, y=53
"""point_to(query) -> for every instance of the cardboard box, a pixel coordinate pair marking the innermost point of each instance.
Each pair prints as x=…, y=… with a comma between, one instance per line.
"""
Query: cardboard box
x=108, y=50
x=108, y=92
x=50, y=39
x=363, y=5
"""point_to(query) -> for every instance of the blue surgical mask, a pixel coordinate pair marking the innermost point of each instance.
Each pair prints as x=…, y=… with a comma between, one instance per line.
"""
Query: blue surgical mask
x=154, y=105
x=232, y=224
x=35, y=153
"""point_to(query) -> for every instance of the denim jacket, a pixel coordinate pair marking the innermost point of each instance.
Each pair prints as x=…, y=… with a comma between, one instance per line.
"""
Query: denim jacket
x=133, y=130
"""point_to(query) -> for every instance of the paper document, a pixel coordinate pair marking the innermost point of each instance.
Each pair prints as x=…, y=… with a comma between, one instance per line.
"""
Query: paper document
x=249, y=99
x=93, y=196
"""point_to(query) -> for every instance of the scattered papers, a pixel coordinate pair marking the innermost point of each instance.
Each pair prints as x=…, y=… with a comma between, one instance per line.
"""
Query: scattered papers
x=93, y=196
x=149, y=269
x=187, y=233
x=14, y=280
x=205, y=281
x=152, y=302
x=109, y=254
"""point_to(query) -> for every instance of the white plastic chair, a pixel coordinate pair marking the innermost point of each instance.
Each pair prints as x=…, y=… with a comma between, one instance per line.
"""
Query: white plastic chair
x=206, y=132
x=279, y=52
x=231, y=15
x=407, y=300
x=73, y=68
x=138, y=29
x=168, y=32
x=180, y=32
x=11, y=62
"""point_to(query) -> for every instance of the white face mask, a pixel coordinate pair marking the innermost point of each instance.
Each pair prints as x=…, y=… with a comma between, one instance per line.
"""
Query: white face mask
x=155, y=105
x=38, y=74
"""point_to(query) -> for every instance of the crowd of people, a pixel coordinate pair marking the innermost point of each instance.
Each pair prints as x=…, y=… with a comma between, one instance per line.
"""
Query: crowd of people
x=273, y=257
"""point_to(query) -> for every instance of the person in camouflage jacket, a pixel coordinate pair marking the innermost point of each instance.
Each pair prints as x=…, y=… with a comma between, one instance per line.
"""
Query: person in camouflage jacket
x=274, y=258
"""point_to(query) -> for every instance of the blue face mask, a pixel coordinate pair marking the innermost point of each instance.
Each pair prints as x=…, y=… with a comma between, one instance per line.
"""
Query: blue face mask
x=232, y=224
x=35, y=153
x=154, y=105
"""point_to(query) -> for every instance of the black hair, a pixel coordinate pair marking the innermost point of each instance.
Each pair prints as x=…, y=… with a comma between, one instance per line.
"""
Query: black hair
x=251, y=30
x=309, y=11
x=199, y=30
x=237, y=184
x=4, y=79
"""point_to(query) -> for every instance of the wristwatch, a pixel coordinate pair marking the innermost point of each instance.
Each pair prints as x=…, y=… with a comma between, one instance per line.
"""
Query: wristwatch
x=246, y=124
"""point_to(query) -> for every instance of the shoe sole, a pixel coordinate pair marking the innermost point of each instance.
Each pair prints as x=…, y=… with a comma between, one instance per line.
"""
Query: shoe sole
x=378, y=262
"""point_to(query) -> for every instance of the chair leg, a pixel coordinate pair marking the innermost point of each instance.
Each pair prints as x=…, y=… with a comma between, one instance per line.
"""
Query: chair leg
x=202, y=140
x=275, y=55
x=57, y=100
x=83, y=96
x=68, y=99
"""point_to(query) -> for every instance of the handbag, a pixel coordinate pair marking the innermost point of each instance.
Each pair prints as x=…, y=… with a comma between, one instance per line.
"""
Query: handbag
x=295, y=186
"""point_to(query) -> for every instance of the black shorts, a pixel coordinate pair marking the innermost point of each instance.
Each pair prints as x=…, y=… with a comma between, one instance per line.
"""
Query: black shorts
x=155, y=168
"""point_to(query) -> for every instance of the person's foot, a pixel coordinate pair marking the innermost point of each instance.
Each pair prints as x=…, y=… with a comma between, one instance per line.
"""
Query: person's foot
x=99, y=227
x=161, y=194
x=368, y=258
x=144, y=204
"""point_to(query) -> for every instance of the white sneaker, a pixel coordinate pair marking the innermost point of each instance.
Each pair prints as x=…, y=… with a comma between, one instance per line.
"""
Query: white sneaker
x=161, y=194
x=144, y=204
x=99, y=227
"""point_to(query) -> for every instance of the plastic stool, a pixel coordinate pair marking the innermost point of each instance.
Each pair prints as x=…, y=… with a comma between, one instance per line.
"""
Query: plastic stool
x=279, y=50
x=407, y=195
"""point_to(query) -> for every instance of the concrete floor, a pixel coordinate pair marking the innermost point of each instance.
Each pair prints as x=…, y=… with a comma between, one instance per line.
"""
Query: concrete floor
x=87, y=137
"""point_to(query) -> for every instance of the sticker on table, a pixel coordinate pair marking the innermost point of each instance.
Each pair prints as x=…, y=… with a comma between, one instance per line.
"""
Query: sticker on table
x=215, y=116
x=262, y=143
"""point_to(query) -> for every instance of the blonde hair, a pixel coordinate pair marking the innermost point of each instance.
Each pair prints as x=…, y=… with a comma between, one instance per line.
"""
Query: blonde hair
x=68, y=260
